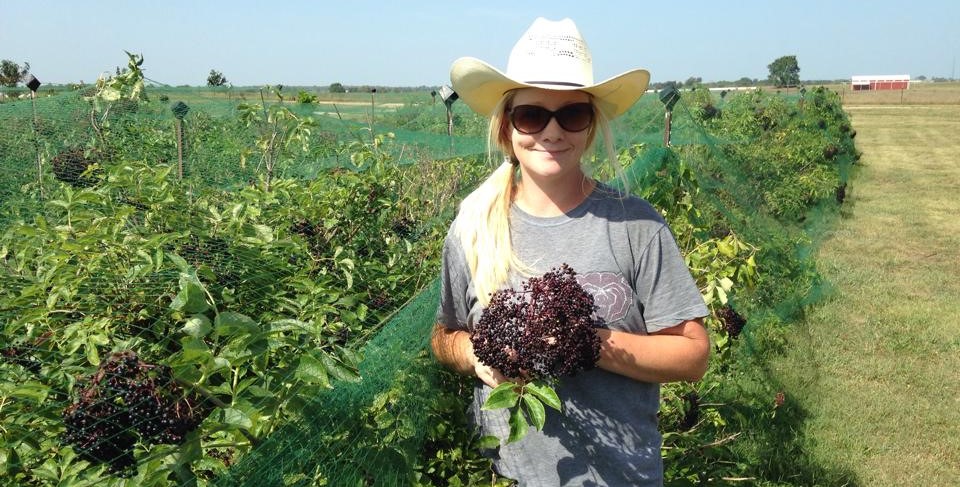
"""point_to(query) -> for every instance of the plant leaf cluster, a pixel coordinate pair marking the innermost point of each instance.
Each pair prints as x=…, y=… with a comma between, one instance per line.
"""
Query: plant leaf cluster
x=255, y=299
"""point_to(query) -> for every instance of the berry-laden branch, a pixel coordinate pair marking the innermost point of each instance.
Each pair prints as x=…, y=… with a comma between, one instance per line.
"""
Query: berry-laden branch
x=127, y=400
x=536, y=335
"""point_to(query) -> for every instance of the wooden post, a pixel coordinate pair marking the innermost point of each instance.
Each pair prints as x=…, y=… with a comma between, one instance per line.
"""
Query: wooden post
x=666, y=128
x=450, y=125
x=36, y=139
x=180, y=149
x=373, y=136
x=449, y=121
x=179, y=110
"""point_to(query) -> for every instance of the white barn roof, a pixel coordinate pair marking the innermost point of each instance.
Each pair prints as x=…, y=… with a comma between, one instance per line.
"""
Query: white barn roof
x=866, y=79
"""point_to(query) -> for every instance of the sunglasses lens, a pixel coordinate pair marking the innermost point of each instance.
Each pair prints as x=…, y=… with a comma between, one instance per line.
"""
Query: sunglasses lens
x=576, y=117
x=531, y=119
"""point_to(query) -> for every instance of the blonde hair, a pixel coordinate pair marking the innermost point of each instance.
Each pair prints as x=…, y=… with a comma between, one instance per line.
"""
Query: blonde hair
x=483, y=225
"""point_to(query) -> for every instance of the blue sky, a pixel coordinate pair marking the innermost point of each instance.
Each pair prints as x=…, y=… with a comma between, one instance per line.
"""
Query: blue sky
x=397, y=43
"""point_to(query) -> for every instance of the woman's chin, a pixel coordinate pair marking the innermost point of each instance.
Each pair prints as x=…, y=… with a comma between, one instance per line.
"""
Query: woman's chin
x=549, y=169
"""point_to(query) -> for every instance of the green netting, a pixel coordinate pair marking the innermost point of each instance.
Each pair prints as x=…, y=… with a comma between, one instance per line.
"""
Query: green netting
x=385, y=424
x=271, y=268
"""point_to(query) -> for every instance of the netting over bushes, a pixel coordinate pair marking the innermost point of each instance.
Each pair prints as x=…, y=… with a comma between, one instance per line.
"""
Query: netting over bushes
x=241, y=291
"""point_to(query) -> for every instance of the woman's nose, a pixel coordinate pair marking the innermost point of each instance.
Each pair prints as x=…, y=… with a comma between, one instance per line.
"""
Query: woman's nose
x=553, y=130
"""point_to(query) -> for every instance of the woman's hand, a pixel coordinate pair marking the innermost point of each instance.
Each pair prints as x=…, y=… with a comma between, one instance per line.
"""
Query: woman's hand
x=454, y=349
x=489, y=375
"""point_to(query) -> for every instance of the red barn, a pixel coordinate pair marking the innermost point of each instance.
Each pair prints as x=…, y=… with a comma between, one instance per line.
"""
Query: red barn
x=886, y=82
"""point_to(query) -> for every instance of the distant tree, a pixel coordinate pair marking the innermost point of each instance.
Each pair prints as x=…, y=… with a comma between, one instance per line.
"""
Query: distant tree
x=784, y=71
x=921, y=78
x=11, y=73
x=745, y=81
x=337, y=88
x=216, y=78
x=660, y=85
x=693, y=81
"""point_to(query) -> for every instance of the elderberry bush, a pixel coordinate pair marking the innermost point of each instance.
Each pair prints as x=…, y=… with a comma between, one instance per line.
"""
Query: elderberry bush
x=544, y=330
x=126, y=401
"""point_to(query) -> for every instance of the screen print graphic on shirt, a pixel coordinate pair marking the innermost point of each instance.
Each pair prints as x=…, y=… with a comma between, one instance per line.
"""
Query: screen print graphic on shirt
x=611, y=293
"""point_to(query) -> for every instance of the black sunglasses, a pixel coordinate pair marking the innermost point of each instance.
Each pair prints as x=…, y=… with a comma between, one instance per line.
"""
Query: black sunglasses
x=532, y=119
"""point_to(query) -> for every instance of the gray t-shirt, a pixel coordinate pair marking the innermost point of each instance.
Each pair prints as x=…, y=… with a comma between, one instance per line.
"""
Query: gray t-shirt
x=625, y=255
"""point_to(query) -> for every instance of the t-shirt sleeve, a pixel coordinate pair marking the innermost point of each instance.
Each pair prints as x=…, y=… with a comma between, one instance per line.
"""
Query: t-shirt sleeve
x=665, y=288
x=454, y=304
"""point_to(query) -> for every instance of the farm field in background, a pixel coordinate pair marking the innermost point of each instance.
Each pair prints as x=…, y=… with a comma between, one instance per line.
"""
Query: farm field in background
x=876, y=366
x=920, y=93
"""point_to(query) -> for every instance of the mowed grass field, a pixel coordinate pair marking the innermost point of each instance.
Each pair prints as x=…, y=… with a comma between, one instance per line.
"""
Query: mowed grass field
x=877, y=364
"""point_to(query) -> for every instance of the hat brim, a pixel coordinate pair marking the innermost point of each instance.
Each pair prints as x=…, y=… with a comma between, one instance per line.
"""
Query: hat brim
x=481, y=86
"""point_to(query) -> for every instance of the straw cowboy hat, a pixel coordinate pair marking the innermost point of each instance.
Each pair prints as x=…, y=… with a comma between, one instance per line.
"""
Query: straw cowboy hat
x=551, y=55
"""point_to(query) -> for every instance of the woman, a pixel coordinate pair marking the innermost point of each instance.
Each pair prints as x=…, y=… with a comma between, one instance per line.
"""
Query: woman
x=541, y=209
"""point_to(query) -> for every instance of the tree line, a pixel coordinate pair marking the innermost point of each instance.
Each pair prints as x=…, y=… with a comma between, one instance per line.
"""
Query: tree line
x=784, y=72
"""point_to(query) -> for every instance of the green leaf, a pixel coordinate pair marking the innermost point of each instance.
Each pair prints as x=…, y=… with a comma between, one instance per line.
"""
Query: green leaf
x=48, y=471
x=158, y=259
x=487, y=442
x=351, y=358
x=311, y=371
x=197, y=326
x=52, y=299
x=179, y=262
x=264, y=233
x=544, y=393
x=726, y=284
x=10, y=461
x=349, y=278
x=288, y=324
x=31, y=391
x=90, y=348
x=192, y=297
x=229, y=323
x=190, y=450
x=726, y=249
x=60, y=203
x=504, y=395
x=237, y=209
x=192, y=351
x=236, y=417
x=257, y=345
x=337, y=370
x=536, y=411
x=147, y=258
x=518, y=425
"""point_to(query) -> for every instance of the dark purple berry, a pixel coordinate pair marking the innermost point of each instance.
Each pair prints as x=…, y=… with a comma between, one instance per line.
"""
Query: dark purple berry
x=123, y=401
x=544, y=330
x=733, y=323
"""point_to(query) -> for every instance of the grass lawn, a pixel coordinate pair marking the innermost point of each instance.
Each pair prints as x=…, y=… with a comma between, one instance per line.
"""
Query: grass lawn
x=877, y=364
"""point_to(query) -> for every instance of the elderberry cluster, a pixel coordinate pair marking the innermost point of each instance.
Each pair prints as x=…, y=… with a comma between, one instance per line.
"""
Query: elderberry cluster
x=733, y=323
x=128, y=400
x=544, y=330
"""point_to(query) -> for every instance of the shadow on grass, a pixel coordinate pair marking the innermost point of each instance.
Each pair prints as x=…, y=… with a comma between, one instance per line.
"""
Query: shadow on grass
x=773, y=443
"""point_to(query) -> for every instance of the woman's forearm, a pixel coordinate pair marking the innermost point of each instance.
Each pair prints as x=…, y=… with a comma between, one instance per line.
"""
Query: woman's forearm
x=450, y=347
x=678, y=353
